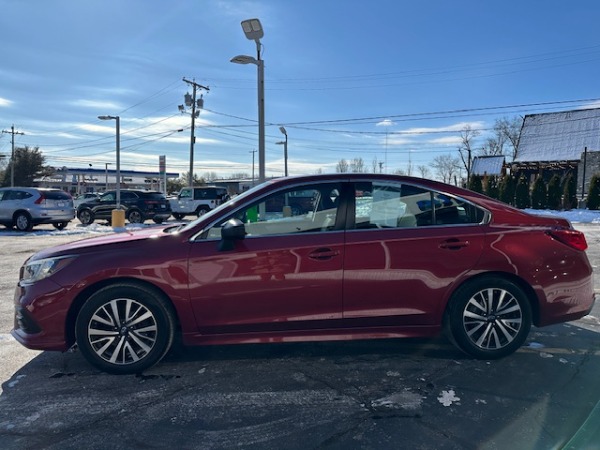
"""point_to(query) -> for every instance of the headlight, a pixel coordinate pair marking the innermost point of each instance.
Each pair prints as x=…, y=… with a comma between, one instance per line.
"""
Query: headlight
x=34, y=271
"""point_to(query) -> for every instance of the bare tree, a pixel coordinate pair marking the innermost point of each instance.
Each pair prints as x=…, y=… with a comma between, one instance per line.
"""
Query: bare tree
x=357, y=165
x=210, y=176
x=446, y=167
x=239, y=176
x=342, y=166
x=510, y=129
x=465, y=150
x=423, y=171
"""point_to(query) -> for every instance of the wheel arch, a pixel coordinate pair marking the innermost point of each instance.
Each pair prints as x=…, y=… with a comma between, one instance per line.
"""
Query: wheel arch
x=20, y=211
x=84, y=295
x=520, y=282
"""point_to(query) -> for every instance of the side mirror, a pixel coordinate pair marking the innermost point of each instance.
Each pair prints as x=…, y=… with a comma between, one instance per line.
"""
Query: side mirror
x=233, y=230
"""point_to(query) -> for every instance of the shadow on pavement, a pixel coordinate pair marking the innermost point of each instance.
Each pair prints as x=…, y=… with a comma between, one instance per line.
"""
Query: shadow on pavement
x=341, y=395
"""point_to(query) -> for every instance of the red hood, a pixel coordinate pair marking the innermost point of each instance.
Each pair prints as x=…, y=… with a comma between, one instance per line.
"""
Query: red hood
x=108, y=239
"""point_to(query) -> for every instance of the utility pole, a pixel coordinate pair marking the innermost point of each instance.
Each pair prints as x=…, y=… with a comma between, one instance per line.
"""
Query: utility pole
x=190, y=101
x=253, y=152
x=12, y=154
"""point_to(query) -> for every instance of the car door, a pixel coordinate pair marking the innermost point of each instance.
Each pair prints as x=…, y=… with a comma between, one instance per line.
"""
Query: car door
x=286, y=274
x=407, y=246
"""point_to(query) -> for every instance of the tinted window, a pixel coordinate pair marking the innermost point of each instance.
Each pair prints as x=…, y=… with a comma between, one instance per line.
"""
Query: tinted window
x=56, y=195
x=154, y=196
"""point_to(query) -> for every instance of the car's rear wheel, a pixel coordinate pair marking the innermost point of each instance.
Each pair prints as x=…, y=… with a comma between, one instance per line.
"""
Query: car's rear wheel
x=86, y=216
x=23, y=221
x=202, y=210
x=178, y=216
x=125, y=328
x=60, y=225
x=489, y=318
x=135, y=216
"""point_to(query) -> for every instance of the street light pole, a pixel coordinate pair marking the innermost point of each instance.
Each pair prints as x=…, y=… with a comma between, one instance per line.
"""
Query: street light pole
x=285, y=152
x=118, y=148
x=253, y=30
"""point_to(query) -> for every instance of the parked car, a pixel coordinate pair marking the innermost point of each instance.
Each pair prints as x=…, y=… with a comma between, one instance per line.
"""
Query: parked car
x=85, y=197
x=376, y=256
x=25, y=207
x=139, y=206
x=197, y=201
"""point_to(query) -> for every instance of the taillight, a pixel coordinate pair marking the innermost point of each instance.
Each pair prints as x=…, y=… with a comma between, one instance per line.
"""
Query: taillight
x=40, y=200
x=572, y=238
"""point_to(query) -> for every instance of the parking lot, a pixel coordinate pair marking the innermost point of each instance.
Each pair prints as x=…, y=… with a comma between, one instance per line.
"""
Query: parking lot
x=417, y=394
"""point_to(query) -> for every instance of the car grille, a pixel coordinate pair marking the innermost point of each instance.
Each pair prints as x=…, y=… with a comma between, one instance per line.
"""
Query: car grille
x=25, y=322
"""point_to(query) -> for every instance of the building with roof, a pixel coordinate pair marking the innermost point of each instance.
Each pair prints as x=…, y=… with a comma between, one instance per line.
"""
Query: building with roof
x=560, y=143
x=77, y=180
x=488, y=165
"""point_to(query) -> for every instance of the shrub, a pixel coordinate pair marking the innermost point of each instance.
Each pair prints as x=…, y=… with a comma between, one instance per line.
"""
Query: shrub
x=593, y=198
x=475, y=184
x=491, y=187
x=507, y=190
x=569, y=192
x=539, y=194
x=522, y=199
x=554, y=193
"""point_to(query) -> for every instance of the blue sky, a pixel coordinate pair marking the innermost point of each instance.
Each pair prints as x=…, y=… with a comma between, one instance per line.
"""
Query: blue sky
x=388, y=80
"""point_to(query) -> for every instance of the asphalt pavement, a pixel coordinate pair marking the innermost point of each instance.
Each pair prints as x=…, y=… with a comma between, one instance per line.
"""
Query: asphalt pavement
x=383, y=394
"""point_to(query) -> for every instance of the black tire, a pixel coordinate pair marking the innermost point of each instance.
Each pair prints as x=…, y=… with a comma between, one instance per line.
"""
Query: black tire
x=118, y=344
x=202, y=210
x=158, y=220
x=135, y=216
x=178, y=216
x=60, y=225
x=489, y=318
x=86, y=216
x=23, y=222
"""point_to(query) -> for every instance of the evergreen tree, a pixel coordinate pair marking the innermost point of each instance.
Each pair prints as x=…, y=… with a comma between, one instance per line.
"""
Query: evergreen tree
x=570, y=192
x=475, y=184
x=507, y=190
x=28, y=165
x=554, y=193
x=539, y=194
x=522, y=198
x=593, y=198
x=491, y=187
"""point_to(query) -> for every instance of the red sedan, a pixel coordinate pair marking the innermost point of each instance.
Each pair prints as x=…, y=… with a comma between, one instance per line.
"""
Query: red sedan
x=375, y=256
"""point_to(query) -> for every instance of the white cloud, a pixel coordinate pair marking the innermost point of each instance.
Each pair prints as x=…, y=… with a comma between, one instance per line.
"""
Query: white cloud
x=385, y=123
x=5, y=102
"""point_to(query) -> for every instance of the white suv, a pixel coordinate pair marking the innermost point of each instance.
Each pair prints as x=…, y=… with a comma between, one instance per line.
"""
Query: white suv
x=24, y=207
x=197, y=201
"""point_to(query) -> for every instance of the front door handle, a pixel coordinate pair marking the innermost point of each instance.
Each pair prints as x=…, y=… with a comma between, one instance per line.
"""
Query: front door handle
x=323, y=253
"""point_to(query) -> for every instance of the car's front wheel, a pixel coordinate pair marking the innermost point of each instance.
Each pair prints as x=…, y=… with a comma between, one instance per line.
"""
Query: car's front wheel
x=125, y=328
x=86, y=216
x=178, y=216
x=23, y=221
x=489, y=318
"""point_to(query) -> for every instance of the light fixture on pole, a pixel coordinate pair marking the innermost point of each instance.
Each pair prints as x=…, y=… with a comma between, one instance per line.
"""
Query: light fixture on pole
x=285, y=153
x=118, y=148
x=191, y=102
x=254, y=32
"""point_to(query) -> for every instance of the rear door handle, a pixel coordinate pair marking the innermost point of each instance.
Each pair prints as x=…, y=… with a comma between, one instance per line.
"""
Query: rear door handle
x=454, y=244
x=324, y=253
